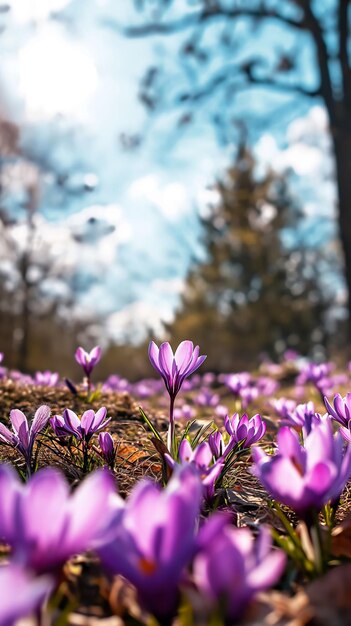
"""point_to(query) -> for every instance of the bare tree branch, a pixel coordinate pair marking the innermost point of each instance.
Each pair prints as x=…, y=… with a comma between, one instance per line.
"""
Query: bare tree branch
x=314, y=27
x=197, y=18
x=225, y=75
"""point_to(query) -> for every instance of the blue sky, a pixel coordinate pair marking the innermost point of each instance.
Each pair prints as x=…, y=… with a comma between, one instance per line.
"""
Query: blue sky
x=71, y=85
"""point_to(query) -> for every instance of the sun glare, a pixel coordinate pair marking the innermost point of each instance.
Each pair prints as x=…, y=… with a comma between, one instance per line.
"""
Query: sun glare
x=56, y=75
x=26, y=10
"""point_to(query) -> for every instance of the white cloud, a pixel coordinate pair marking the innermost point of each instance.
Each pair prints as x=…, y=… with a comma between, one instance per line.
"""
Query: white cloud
x=171, y=197
x=134, y=322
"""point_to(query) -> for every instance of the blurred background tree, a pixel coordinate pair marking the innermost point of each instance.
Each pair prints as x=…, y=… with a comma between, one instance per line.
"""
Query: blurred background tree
x=298, y=50
x=104, y=195
x=34, y=282
x=253, y=293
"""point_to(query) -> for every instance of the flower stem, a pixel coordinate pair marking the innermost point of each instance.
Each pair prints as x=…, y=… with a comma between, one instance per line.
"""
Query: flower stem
x=314, y=530
x=171, y=444
x=28, y=469
x=85, y=456
x=88, y=386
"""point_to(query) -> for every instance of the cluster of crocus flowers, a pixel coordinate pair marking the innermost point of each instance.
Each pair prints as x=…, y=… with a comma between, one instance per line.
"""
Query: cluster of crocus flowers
x=174, y=369
x=46, y=378
x=69, y=424
x=305, y=477
x=245, y=431
x=242, y=432
x=158, y=561
x=202, y=459
x=228, y=564
x=22, y=436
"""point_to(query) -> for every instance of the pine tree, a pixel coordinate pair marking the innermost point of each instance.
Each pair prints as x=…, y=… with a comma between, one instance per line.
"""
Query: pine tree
x=252, y=294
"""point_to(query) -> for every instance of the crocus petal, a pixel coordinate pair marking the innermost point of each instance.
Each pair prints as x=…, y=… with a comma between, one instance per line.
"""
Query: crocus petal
x=87, y=421
x=44, y=498
x=154, y=356
x=212, y=528
x=91, y=517
x=183, y=355
x=10, y=487
x=7, y=436
x=203, y=454
x=288, y=443
x=321, y=477
x=20, y=593
x=99, y=418
x=282, y=480
x=196, y=365
x=345, y=433
x=166, y=359
x=71, y=420
x=258, y=455
x=268, y=571
x=95, y=355
x=339, y=405
x=80, y=356
x=40, y=420
x=20, y=426
x=185, y=451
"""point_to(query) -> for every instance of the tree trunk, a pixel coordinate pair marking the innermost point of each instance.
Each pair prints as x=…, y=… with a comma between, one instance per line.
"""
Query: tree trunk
x=342, y=149
x=23, y=349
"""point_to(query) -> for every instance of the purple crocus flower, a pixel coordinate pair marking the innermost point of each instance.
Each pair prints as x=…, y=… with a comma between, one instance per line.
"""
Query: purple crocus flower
x=69, y=424
x=303, y=417
x=221, y=410
x=107, y=447
x=45, y=525
x=233, y=566
x=220, y=448
x=20, y=593
x=319, y=375
x=22, y=436
x=236, y=382
x=248, y=395
x=245, y=430
x=207, y=398
x=174, y=369
x=341, y=411
x=267, y=386
x=185, y=412
x=283, y=406
x=305, y=477
x=47, y=378
x=155, y=539
x=88, y=360
x=202, y=458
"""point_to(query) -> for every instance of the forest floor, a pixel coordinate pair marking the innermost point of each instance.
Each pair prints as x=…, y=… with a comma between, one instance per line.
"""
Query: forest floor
x=89, y=595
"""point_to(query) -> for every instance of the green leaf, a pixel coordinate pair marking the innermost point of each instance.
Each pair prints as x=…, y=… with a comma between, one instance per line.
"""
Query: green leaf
x=200, y=433
x=150, y=425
